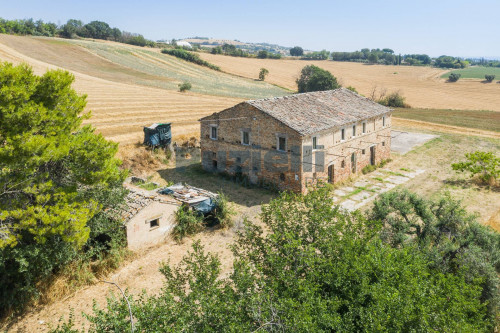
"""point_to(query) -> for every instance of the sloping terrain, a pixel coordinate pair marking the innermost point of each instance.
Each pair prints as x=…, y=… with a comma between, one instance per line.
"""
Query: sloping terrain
x=137, y=65
x=422, y=86
x=119, y=109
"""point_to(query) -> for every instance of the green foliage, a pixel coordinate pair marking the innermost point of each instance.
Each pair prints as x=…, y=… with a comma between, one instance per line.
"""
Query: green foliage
x=351, y=88
x=450, y=62
x=313, y=78
x=188, y=221
x=321, y=55
x=28, y=27
x=189, y=56
x=369, y=168
x=454, y=77
x=185, y=86
x=262, y=74
x=484, y=164
x=448, y=237
x=313, y=269
x=296, y=51
x=394, y=100
x=489, y=77
x=263, y=54
x=373, y=58
x=54, y=178
x=223, y=211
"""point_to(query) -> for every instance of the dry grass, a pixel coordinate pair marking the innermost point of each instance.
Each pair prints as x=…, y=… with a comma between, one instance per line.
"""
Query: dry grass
x=422, y=86
x=120, y=111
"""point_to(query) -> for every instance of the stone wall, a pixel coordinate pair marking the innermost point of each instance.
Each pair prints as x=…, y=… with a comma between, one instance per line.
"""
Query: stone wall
x=299, y=165
x=259, y=160
x=336, y=153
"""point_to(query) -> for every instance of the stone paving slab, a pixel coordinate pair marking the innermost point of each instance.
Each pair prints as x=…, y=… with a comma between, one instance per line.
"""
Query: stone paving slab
x=346, y=199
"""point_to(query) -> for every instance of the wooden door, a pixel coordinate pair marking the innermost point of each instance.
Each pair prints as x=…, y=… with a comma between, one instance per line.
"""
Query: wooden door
x=331, y=174
x=372, y=155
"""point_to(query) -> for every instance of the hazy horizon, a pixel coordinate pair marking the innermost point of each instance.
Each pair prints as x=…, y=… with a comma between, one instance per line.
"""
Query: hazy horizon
x=435, y=28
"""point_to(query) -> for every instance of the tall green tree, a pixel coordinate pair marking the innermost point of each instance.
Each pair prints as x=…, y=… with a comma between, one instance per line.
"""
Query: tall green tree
x=313, y=269
x=296, y=51
x=313, y=78
x=49, y=167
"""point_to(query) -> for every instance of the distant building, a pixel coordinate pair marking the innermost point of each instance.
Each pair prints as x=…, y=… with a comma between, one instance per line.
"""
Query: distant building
x=298, y=140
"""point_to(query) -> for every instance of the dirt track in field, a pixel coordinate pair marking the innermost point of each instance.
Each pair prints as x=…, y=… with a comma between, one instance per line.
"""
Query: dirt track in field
x=422, y=86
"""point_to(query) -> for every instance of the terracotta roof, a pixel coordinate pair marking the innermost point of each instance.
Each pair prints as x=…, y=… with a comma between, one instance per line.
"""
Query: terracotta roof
x=309, y=113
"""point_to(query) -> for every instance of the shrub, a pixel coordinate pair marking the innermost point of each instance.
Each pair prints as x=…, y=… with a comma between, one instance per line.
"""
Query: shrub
x=189, y=56
x=369, y=168
x=184, y=86
x=262, y=74
x=394, y=99
x=296, y=51
x=454, y=77
x=188, y=221
x=484, y=164
x=223, y=211
x=351, y=88
x=489, y=77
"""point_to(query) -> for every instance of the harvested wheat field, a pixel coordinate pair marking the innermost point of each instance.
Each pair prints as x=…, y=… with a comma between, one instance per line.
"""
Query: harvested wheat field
x=423, y=87
x=120, y=110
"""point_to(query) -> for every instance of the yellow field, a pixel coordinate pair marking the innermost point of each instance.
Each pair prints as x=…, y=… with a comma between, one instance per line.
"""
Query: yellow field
x=120, y=110
x=422, y=86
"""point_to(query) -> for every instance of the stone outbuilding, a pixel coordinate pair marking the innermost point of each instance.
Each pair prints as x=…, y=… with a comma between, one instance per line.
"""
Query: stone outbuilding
x=295, y=141
x=149, y=217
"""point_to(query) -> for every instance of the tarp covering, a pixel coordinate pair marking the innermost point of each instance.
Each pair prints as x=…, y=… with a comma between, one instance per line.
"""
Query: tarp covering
x=158, y=135
x=205, y=206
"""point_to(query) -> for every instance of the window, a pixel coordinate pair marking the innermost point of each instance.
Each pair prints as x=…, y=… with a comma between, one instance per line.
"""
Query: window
x=342, y=165
x=364, y=128
x=245, y=138
x=315, y=142
x=342, y=134
x=383, y=121
x=214, y=164
x=154, y=223
x=282, y=177
x=213, y=133
x=281, y=143
x=383, y=143
x=353, y=130
x=363, y=151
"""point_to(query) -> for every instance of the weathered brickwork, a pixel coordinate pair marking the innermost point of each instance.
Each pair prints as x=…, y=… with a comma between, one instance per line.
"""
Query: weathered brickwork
x=247, y=141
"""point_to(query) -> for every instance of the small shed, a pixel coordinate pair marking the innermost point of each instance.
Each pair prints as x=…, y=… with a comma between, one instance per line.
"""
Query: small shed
x=158, y=135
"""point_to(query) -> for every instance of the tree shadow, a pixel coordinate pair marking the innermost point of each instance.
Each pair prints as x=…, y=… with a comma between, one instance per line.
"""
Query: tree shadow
x=471, y=183
x=189, y=170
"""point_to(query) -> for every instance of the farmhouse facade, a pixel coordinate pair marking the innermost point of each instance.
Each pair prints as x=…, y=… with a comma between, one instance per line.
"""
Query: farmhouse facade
x=295, y=141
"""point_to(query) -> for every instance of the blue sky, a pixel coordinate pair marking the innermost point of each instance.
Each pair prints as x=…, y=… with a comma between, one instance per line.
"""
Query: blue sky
x=461, y=28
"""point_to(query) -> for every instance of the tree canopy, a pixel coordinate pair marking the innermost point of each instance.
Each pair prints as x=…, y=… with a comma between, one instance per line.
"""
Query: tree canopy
x=296, y=51
x=313, y=78
x=313, y=269
x=49, y=167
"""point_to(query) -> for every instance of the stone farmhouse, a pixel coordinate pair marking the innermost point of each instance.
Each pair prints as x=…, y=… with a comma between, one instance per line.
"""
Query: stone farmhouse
x=295, y=141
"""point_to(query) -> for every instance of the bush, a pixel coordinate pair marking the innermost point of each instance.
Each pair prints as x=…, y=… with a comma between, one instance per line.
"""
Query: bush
x=223, y=211
x=313, y=78
x=454, y=77
x=262, y=74
x=489, y=78
x=296, y=51
x=369, y=168
x=484, y=164
x=394, y=100
x=184, y=86
x=189, y=56
x=189, y=222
